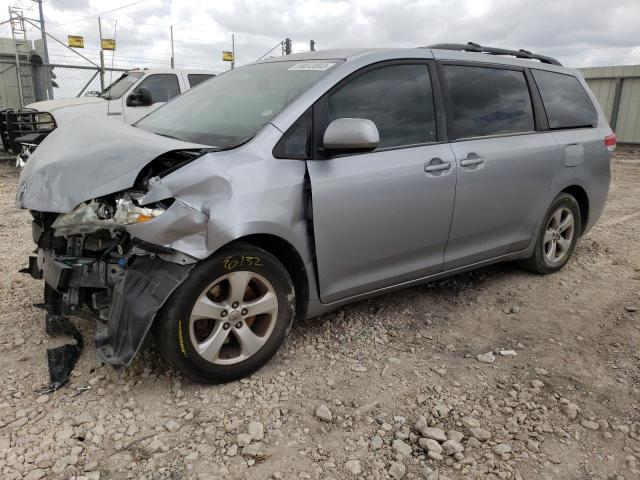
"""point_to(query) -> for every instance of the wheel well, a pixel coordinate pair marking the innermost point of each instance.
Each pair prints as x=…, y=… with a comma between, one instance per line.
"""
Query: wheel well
x=581, y=197
x=290, y=259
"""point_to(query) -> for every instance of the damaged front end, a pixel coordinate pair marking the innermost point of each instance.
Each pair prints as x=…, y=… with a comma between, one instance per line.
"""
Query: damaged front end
x=95, y=269
x=112, y=258
x=123, y=216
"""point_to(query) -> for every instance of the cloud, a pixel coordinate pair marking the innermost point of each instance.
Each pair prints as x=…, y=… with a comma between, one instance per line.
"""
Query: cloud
x=578, y=32
x=70, y=5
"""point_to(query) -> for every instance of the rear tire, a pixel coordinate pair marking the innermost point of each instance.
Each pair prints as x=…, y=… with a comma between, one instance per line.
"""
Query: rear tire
x=557, y=237
x=229, y=317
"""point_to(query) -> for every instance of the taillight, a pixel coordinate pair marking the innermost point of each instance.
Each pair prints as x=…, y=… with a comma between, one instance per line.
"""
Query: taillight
x=610, y=142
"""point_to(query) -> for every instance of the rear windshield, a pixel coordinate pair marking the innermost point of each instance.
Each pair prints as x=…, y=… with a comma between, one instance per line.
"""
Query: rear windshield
x=565, y=101
x=232, y=107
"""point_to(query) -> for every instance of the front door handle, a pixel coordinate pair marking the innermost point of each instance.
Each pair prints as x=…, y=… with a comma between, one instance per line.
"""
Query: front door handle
x=436, y=165
x=472, y=160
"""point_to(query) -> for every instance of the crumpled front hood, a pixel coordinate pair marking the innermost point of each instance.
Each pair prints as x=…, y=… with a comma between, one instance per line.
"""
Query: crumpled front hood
x=88, y=158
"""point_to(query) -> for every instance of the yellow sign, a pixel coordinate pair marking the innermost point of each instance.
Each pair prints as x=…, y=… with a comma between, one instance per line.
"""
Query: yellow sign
x=108, y=44
x=75, y=41
x=227, y=56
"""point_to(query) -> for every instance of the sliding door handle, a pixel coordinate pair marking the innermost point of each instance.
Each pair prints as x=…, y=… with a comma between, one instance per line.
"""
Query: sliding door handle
x=436, y=165
x=472, y=160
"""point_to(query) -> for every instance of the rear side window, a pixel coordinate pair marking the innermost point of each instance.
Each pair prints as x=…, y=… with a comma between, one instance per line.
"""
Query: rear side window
x=162, y=86
x=565, y=101
x=196, y=78
x=488, y=101
x=397, y=98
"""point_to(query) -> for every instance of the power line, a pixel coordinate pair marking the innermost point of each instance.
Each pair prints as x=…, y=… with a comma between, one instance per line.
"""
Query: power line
x=130, y=55
x=99, y=14
x=182, y=39
x=166, y=28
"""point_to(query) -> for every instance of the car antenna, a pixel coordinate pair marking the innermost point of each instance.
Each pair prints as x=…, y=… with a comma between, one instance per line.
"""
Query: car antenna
x=113, y=55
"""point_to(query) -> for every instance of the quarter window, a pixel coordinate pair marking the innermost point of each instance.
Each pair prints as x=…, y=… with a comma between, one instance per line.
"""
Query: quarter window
x=397, y=98
x=565, y=101
x=488, y=101
x=296, y=142
x=163, y=87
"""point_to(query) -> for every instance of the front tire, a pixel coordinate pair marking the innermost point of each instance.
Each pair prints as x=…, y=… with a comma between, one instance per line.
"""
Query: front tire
x=229, y=317
x=556, y=240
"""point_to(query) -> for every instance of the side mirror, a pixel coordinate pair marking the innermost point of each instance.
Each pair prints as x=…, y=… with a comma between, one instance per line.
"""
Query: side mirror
x=140, y=98
x=351, y=134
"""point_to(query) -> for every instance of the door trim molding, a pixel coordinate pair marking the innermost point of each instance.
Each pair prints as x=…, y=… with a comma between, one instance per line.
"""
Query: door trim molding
x=429, y=278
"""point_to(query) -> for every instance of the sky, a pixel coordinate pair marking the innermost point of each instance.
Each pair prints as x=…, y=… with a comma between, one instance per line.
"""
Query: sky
x=580, y=33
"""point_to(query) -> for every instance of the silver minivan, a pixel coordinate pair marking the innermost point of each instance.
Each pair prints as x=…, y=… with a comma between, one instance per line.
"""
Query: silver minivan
x=287, y=188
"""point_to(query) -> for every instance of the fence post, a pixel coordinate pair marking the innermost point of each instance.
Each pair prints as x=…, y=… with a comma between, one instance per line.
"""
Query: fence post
x=172, y=57
x=233, y=51
x=46, y=52
x=101, y=56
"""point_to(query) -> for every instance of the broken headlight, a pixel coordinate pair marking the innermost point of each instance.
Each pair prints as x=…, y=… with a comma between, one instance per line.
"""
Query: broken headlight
x=101, y=214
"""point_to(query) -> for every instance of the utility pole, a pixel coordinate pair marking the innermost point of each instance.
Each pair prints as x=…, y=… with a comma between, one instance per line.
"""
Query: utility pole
x=101, y=57
x=233, y=51
x=46, y=52
x=172, y=58
x=312, y=45
x=287, y=46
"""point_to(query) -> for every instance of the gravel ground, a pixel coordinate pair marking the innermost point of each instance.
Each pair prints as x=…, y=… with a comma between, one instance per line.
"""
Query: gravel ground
x=387, y=388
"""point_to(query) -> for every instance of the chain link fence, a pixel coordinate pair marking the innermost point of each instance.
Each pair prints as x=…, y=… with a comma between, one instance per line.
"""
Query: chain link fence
x=68, y=81
x=75, y=81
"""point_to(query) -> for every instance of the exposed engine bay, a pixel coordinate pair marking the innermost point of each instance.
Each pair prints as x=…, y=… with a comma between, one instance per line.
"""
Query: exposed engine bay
x=95, y=269
x=103, y=274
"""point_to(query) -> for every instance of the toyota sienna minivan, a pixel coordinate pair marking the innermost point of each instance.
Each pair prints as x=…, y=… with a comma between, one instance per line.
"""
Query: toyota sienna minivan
x=289, y=187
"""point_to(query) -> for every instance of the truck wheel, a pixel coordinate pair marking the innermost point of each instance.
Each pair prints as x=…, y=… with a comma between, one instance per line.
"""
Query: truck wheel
x=557, y=237
x=229, y=317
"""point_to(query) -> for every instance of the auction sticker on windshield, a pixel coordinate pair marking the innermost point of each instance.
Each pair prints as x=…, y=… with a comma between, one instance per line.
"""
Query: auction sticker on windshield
x=312, y=66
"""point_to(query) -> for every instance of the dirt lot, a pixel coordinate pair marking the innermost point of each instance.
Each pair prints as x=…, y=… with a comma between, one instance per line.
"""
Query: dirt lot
x=364, y=392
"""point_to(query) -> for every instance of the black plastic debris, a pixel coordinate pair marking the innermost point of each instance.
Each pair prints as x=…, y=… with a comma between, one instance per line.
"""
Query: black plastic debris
x=136, y=300
x=62, y=359
x=32, y=269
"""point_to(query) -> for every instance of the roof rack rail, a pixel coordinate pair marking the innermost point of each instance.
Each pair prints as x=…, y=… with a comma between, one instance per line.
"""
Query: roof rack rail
x=477, y=48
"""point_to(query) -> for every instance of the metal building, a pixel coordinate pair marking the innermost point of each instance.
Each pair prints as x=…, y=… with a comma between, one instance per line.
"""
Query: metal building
x=618, y=91
x=31, y=70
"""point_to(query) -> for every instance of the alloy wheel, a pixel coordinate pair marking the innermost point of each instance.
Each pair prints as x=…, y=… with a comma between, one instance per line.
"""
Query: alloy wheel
x=558, y=235
x=233, y=317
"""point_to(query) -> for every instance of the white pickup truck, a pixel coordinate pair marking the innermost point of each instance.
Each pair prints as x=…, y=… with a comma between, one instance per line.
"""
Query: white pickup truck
x=132, y=96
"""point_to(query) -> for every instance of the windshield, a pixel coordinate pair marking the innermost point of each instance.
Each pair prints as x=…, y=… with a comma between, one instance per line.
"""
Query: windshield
x=231, y=108
x=121, y=85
